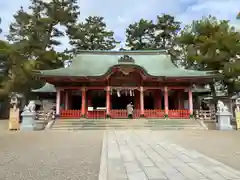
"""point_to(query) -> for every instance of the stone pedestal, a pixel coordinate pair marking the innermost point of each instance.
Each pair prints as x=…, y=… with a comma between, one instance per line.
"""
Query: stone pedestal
x=28, y=121
x=224, y=121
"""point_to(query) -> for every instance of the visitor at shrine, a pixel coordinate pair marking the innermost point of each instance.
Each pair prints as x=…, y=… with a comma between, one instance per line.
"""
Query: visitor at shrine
x=130, y=110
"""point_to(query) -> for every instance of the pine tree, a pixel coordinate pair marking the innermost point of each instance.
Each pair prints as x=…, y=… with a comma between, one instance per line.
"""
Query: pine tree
x=36, y=32
x=34, y=37
x=166, y=29
x=140, y=35
x=0, y=23
x=213, y=45
x=91, y=35
x=146, y=34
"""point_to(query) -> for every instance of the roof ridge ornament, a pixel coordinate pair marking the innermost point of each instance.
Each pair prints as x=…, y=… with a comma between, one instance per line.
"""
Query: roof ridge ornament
x=126, y=59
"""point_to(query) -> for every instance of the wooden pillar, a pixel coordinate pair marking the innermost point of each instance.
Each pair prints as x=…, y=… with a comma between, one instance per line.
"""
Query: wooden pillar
x=108, y=103
x=190, y=100
x=83, y=108
x=141, y=101
x=58, y=97
x=166, y=100
x=66, y=100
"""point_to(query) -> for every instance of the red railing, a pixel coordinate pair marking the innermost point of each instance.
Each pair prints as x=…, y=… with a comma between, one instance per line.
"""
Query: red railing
x=118, y=113
x=96, y=114
x=122, y=113
x=178, y=114
x=136, y=114
x=154, y=113
x=68, y=114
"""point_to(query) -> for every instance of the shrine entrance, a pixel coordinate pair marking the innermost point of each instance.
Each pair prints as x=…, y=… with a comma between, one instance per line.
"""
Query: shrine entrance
x=120, y=99
x=96, y=99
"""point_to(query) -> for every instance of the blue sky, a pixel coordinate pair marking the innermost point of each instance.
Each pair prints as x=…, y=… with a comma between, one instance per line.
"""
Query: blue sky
x=119, y=14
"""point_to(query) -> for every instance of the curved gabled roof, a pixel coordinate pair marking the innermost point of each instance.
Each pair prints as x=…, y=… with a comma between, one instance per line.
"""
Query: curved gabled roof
x=98, y=63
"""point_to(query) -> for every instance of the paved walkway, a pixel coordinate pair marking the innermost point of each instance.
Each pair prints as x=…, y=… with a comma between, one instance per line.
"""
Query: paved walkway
x=142, y=155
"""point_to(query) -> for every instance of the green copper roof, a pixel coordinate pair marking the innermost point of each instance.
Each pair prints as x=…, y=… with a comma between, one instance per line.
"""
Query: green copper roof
x=98, y=63
x=47, y=88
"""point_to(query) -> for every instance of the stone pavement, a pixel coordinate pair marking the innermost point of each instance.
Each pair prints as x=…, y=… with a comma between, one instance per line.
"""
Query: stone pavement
x=47, y=155
x=143, y=155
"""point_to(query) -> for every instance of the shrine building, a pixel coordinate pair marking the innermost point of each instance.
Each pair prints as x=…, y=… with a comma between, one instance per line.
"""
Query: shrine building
x=100, y=84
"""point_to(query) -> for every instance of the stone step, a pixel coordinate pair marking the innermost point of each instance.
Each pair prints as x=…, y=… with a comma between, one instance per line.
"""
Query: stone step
x=97, y=124
x=127, y=124
x=129, y=121
x=122, y=128
x=145, y=126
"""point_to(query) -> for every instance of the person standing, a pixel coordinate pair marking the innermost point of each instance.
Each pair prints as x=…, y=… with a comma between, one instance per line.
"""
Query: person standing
x=130, y=110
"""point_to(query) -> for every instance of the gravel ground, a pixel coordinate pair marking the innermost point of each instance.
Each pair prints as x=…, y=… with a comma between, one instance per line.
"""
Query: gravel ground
x=50, y=155
x=223, y=146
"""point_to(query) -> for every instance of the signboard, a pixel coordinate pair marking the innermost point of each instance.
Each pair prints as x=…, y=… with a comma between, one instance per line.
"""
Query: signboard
x=238, y=120
x=14, y=119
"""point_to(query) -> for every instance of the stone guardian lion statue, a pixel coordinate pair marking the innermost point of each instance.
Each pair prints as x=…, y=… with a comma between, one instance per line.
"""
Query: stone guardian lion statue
x=30, y=107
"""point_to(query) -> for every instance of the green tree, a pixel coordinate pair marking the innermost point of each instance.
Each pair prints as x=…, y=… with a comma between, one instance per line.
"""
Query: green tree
x=140, y=35
x=0, y=23
x=166, y=29
x=91, y=35
x=36, y=32
x=148, y=35
x=238, y=15
x=13, y=69
x=213, y=45
x=34, y=35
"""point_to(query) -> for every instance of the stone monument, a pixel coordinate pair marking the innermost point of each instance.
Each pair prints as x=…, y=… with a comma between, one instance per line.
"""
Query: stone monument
x=28, y=117
x=224, y=117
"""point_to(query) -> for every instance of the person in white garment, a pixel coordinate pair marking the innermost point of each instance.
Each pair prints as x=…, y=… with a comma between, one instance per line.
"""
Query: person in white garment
x=130, y=110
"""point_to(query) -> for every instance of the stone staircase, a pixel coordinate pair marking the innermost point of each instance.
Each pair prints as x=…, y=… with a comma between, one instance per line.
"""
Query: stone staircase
x=102, y=124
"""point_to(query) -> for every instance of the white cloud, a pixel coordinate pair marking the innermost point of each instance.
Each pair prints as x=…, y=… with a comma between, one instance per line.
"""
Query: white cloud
x=119, y=14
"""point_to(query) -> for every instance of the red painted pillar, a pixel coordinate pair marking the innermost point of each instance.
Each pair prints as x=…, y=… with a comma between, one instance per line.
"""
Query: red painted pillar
x=190, y=100
x=108, y=103
x=83, y=109
x=166, y=100
x=141, y=101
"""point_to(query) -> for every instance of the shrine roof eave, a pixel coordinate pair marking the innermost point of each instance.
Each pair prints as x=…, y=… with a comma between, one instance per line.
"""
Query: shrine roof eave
x=47, y=88
x=99, y=64
x=207, y=77
x=185, y=74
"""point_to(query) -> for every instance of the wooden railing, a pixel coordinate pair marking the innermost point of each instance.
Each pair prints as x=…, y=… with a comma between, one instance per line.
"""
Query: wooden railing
x=118, y=113
x=68, y=114
x=206, y=115
x=154, y=113
x=122, y=113
x=96, y=114
x=178, y=114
